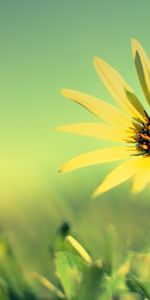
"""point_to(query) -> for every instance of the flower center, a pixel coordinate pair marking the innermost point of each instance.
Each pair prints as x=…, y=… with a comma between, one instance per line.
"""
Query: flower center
x=142, y=137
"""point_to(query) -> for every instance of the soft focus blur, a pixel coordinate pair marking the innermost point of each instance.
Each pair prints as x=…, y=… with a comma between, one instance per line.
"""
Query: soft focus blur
x=45, y=46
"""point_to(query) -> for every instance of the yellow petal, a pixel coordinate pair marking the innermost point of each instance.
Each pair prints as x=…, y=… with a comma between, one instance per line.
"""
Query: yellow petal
x=79, y=248
x=96, y=130
x=142, y=64
x=142, y=177
x=119, y=89
x=99, y=156
x=47, y=284
x=98, y=107
x=118, y=175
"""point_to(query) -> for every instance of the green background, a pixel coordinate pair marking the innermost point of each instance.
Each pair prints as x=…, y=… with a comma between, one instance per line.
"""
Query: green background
x=45, y=46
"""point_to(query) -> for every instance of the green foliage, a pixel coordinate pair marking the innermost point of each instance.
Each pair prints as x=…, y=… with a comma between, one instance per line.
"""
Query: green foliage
x=92, y=284
x=103, y=279
x=3, y=290
x=78, y=276
x=13, y=285
x=69, y=269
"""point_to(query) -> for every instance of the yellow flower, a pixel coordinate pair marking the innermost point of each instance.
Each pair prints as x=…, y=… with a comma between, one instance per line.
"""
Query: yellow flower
x=131, y=126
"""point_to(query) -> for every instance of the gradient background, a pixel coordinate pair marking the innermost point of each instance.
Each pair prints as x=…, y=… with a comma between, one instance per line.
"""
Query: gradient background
x=44, y=46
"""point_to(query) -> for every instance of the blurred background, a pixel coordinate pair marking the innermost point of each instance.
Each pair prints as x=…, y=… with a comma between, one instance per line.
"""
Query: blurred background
x=45, y=46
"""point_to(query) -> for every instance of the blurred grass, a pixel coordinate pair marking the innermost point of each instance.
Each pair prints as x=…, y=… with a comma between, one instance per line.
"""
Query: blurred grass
x=35, y=229
x=32, y=225
x=71, y=276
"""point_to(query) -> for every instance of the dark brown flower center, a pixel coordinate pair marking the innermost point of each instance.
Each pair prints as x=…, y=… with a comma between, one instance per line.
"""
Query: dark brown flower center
x=142, y=137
